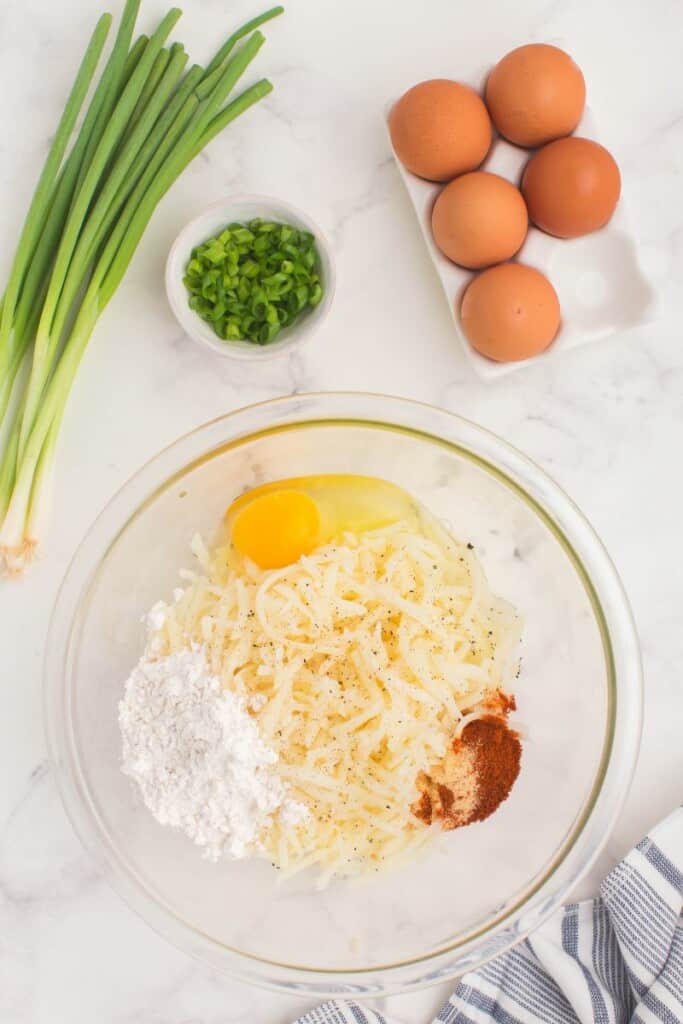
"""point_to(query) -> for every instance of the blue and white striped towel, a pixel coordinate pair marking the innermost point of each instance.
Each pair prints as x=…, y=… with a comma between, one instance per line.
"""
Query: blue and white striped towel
x=614, y=960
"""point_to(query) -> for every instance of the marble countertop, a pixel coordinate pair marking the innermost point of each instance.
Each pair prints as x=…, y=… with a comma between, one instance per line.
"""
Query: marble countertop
x=606, y=420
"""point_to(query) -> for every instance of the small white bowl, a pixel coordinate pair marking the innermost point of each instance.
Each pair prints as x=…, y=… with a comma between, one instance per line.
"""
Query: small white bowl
x=211, y=222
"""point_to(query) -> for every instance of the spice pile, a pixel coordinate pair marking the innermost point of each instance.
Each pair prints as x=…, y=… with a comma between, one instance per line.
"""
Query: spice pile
x=474, y=778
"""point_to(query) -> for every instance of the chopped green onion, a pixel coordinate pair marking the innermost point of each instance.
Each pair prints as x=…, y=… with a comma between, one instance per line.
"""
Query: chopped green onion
x=252, y=280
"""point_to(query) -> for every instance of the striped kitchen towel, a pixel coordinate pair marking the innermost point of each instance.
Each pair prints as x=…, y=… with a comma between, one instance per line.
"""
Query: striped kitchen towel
x=614, y=960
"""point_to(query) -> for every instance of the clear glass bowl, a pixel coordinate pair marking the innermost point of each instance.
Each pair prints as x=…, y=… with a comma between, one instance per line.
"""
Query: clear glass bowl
x=480, y=889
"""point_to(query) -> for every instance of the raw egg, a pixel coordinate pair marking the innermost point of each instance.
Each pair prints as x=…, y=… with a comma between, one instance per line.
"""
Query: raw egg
x=276, y=524
x=276, y=528
x=479, y=219
x=571, y=187
x=439, y=129
x=534, y=94
x=510, y=312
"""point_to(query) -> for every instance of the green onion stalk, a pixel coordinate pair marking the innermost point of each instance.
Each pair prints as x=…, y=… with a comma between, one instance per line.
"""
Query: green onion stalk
x=13, y=340
x=148, y=118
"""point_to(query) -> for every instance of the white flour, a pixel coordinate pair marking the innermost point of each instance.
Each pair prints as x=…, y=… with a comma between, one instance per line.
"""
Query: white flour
x=197, y=755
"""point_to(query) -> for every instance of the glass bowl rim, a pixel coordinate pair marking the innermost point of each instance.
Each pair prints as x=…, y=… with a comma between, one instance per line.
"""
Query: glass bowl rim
x=612, y=614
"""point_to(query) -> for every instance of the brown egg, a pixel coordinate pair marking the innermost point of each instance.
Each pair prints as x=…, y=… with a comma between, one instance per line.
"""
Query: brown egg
x=534, y=94
x=439, y=129
x=479, y=219
x=510, y=312
x=571, y=187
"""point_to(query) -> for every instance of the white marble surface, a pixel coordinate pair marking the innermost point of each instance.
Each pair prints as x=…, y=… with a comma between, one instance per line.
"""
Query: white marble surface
x=606, y=420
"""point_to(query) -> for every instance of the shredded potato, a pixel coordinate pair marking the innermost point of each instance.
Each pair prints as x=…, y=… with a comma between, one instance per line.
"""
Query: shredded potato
x=360, y=662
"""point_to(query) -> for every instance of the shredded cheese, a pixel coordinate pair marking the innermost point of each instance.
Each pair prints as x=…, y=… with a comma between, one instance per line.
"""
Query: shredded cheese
x=360, y=662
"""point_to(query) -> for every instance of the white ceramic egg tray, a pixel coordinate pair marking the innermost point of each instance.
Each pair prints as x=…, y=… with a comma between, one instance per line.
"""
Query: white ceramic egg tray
x=599, y=282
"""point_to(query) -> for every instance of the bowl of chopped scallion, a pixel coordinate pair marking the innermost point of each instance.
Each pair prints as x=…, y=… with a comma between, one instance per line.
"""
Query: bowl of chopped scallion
x=250, y=276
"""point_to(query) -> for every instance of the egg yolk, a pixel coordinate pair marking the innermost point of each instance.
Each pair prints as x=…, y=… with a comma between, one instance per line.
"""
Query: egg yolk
x=277, y=528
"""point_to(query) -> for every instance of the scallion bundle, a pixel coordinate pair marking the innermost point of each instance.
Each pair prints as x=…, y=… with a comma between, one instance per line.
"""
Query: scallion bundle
x=147, y=119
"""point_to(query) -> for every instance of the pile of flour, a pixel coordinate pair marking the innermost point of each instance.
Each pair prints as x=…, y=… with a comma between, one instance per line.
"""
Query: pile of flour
x=197, y=756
